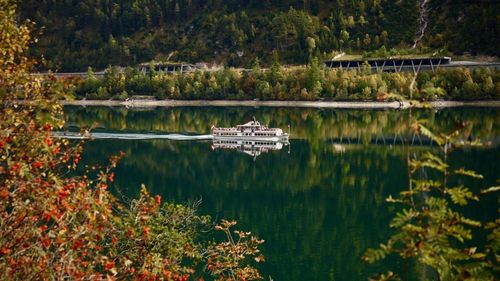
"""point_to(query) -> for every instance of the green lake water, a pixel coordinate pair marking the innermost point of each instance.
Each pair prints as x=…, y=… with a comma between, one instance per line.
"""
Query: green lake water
x=318, y=203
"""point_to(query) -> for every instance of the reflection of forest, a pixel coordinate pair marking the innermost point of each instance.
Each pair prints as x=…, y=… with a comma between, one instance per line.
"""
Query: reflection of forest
x=311, y=124
x=316, y=208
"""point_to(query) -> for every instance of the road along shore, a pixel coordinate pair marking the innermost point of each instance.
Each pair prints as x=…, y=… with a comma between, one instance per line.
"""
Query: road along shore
x=307, y=104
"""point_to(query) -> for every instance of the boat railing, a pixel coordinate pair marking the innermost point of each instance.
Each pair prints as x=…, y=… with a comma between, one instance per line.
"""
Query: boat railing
x=225, y=129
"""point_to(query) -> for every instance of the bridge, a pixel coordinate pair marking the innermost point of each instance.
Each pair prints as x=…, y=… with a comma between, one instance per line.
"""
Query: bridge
x=414, y=65
x=167, y=67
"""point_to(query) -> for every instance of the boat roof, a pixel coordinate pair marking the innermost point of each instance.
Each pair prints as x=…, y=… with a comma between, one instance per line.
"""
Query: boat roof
x=251, y=123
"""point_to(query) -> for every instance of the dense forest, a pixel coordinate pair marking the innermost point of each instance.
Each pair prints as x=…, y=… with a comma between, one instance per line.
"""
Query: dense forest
x=312, y=82
x=76, y=34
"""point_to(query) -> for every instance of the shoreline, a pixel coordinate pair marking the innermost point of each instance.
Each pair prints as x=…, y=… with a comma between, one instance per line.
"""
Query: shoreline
x=306, y=104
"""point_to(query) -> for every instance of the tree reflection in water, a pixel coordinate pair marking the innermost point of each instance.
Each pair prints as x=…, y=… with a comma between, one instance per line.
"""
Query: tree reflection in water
x=319, y=207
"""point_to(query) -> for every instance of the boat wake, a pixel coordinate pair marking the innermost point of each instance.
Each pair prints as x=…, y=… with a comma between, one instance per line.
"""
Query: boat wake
x=131, y=136
x=253, y=146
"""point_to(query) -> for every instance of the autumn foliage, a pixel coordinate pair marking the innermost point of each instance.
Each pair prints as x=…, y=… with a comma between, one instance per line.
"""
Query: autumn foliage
x=56, y=224
x=433, y=228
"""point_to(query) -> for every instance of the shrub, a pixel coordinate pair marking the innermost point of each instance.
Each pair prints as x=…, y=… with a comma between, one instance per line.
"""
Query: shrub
x=58, y=224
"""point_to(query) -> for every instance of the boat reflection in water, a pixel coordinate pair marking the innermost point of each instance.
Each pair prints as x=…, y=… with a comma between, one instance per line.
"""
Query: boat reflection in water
x=251, y=138
x=251, y=147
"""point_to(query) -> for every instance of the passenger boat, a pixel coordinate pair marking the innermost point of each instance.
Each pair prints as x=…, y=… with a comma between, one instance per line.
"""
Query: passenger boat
x=252, y=130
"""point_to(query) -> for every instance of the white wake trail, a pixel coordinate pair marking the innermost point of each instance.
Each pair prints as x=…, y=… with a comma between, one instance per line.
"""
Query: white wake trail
x=130, y=136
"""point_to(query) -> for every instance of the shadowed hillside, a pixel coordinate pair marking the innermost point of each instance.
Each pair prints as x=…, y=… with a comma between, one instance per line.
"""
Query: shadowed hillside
x=77, y=34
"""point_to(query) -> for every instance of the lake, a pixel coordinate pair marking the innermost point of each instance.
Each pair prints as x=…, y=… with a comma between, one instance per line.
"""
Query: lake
x=318, y=202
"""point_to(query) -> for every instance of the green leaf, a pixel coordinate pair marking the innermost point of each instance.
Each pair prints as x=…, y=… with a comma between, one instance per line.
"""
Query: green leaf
x=425, y=185
x=403, y=217
x=429, y=160
x=479, y=255
x=413, y=229
x=426, y=132
x=469, y=173
x=460, y=233
x=460, y=195
x=491, y=189
x=470, y=222
x=374, y=255
x=390, y=199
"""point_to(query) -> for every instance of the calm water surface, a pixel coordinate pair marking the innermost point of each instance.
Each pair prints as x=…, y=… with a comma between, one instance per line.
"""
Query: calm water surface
x=319, y=203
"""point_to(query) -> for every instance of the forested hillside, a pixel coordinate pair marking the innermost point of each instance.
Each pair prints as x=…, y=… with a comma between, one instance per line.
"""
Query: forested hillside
x=79, y=33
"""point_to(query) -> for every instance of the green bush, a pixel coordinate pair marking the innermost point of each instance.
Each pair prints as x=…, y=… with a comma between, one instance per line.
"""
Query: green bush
x=312, y=82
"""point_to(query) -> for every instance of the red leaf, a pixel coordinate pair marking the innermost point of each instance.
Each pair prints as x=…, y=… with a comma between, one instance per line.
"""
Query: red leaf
x=5, y=251
x=4, y=193
x=37, y=164
x=48, y=141
x=109, y=265
x=45, y=241
x=47, y=127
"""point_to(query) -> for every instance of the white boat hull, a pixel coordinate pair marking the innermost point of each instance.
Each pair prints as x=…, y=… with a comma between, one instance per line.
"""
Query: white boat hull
x=283, y=137
x=251, y=131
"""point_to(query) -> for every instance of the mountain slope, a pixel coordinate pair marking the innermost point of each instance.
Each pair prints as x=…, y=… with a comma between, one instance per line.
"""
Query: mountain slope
x=97, y=33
